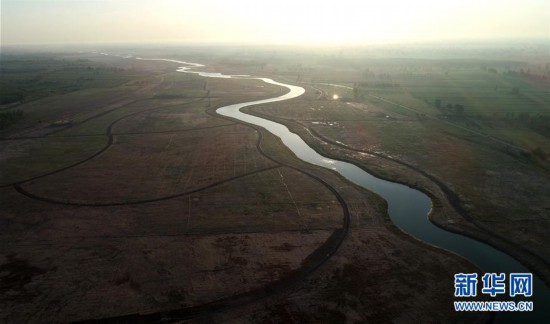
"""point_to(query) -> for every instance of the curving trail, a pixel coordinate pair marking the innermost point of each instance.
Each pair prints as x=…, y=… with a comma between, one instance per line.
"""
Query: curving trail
x=110, y=140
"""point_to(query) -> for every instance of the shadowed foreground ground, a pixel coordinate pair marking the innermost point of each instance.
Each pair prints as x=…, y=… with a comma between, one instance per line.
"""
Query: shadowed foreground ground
x=158, y=207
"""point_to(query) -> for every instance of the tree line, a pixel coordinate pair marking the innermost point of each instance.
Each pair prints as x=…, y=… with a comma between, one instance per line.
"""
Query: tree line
x=449, y=107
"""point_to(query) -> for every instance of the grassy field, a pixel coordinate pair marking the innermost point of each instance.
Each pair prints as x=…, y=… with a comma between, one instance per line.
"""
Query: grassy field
x=27, y=77
x=502, y=190
x=24, y=159
x=146, y=203
x=480, y=92
x=510, y=107
x=501, y=93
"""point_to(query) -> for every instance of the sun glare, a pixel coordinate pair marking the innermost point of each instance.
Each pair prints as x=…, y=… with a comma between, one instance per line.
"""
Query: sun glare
x=321, y=22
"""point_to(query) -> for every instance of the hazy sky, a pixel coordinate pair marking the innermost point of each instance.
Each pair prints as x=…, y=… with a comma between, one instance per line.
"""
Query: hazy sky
x=265, y=21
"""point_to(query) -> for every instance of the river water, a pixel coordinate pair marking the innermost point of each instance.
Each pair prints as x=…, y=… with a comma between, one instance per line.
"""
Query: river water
x=408, y=208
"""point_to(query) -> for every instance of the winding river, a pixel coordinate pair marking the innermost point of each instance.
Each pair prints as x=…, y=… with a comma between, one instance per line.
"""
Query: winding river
x=407, y=207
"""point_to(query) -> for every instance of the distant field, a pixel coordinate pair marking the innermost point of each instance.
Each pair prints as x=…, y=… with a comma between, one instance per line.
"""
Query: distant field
x=41, y=90
x=480, y=93
x=507, y=100
x=27, y=77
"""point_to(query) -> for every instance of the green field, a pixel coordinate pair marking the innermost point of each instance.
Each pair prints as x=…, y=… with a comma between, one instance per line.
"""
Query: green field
x=27, y=77
x=507, y=100
x=480, y=92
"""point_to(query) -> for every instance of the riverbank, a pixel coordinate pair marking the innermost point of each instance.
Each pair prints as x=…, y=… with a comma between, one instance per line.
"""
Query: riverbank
x=378, y=274
x=449, y=213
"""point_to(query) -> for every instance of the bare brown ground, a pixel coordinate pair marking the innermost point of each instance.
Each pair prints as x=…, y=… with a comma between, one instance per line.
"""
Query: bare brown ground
x=376, y=277
x=82, y=263
x=63, y=262
x=151, y=166
x=177, y=118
